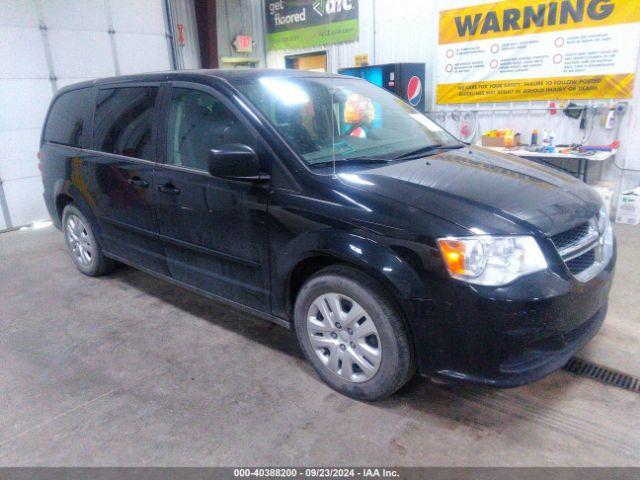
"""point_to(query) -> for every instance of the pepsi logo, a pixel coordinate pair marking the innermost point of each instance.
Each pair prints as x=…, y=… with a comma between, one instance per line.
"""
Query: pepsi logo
x=414, y=90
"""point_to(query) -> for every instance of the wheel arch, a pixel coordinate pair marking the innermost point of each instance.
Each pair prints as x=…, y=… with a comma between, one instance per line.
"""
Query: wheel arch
x=66, y=193
x=395, y=276
x=61, y=201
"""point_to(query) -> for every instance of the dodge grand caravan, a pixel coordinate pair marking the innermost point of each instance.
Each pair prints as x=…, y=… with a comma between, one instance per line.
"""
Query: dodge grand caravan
x=331, y=207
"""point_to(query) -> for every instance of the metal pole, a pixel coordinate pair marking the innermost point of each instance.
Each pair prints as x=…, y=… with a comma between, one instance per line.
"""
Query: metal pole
x=4, y=206
x=171, y=34
x=112, y=35
x=374, y=32
x=53, y=79
x=263, y=15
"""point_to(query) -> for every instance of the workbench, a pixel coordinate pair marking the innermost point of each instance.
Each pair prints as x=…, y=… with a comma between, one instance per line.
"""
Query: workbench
x=545, y=158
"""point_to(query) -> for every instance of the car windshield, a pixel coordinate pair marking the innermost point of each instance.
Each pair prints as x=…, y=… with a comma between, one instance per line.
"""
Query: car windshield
x=343, y=119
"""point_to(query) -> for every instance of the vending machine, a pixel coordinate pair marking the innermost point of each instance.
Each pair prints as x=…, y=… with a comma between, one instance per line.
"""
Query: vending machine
x=406, y=80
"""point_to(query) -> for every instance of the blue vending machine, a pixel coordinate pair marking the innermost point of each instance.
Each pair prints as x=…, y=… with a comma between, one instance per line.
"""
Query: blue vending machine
x=406, y=80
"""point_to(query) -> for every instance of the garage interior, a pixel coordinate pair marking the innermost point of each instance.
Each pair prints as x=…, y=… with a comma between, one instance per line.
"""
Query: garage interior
x=130, y=370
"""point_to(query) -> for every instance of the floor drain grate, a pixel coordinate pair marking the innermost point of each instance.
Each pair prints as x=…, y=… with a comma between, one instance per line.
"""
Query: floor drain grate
x=603, y=374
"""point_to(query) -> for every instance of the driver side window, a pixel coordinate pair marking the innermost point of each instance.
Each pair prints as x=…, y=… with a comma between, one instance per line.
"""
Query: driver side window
x=199, y=122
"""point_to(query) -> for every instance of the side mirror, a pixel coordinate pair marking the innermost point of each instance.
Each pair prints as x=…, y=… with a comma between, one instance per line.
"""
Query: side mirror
x=235, y=161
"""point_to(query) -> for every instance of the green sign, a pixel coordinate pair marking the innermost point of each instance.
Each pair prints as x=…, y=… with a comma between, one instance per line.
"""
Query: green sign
x=309, y=23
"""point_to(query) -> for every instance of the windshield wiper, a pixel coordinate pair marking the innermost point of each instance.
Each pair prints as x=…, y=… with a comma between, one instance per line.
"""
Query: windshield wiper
x=352, y=160
x=429, y=150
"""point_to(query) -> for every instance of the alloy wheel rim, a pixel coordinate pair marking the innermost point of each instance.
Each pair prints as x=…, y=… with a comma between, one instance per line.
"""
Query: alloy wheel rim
x=344, y=337
x=79, y=240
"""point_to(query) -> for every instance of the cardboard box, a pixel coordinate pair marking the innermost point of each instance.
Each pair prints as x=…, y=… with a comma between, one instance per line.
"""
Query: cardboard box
x=605, y=189
x=493, y=141
x=628, y=208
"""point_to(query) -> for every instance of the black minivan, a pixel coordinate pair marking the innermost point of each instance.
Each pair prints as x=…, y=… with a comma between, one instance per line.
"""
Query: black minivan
x=330, y=206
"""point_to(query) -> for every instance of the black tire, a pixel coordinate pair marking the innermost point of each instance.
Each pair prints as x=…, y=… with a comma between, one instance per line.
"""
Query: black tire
x=97, y=264
x=396, y=365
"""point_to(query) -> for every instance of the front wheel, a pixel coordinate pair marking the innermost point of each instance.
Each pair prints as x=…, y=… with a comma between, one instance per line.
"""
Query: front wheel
x=82, y=244
x=352, y=334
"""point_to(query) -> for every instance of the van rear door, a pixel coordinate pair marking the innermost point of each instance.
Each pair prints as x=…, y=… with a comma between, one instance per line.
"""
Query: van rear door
x=122, y=160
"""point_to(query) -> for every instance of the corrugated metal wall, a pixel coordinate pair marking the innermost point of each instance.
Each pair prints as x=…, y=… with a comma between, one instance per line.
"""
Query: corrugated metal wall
x=240, y=17
x=47, y=45
x=182, y=12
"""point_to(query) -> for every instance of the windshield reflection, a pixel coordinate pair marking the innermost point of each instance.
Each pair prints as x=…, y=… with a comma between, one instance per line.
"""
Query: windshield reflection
x=327, y=119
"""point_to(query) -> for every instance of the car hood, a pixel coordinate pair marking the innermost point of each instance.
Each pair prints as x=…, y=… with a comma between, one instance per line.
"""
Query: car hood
x=484, y=191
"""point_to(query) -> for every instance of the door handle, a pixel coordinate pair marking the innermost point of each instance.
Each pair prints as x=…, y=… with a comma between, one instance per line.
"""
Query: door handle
x=169, y=188
x=138, y=182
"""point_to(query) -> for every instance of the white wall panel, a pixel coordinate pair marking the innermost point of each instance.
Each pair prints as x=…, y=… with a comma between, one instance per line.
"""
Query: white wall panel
x=18, y=13
x=63, y=82
x=24, y=103
x=74, y=14
x=80, y=45
x=21, y=53
x=25, y=92
x=18, y=149
x=24, y=198
x=629, y=153
x=80, y=54
x=142, y=53
x=139, y=16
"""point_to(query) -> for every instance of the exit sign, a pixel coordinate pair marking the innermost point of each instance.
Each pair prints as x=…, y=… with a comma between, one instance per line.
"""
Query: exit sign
x=243, y=43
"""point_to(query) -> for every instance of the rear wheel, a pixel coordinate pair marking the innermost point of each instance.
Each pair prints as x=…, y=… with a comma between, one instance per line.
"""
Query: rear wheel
x=82, y=244
x=353, y=334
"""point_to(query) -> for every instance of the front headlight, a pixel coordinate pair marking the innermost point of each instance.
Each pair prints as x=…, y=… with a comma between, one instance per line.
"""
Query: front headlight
x=489, y=260
x=606, y=235
x=603, y=220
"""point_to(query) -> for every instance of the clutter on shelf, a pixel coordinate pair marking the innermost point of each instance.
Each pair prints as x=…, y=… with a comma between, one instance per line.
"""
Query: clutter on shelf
x=545, y=144
x=498, y=138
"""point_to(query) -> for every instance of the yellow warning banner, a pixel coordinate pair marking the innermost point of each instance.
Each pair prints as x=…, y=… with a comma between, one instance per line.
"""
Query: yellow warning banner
x=522, y=50
x=589, y=86
x=518, y=17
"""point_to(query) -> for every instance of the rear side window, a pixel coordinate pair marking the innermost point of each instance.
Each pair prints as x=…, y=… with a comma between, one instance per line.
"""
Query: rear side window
x=124, y=122
x=67, y=123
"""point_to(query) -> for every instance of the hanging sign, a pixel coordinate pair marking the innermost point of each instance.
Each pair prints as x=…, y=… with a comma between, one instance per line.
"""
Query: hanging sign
x=243, y=44
x=310, y=23
x=182, y=41
x=521, y=50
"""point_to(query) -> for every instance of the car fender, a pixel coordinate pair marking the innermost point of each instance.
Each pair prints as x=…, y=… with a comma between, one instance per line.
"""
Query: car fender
x=66, y=187
x=377, y=259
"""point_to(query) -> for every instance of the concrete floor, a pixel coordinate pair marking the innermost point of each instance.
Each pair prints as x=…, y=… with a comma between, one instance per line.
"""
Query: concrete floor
x=129, y=370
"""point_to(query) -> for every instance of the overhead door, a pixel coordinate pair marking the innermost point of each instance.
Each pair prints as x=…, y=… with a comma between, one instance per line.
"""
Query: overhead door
x=47, y=45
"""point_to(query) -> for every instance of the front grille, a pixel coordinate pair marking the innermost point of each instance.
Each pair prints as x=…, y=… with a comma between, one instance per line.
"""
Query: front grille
x=577, y=246
x=581, y=263
x=570, y=237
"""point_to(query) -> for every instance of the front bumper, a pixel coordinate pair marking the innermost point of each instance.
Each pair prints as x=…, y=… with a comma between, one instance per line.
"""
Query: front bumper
x=508, y=336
